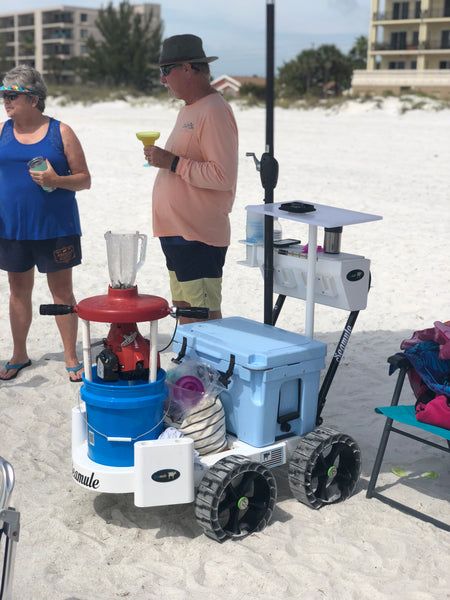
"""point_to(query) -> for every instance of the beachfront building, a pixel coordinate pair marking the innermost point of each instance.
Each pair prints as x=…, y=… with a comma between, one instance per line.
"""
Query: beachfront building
x=49, y=38
x=231, y=86
x=409, y=48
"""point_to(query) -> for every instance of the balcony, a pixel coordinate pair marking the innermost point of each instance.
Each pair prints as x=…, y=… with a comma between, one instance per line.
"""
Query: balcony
x=388, y=47
x=414, y=16
x=57, y=34
x=8, y=52
x=436, y=14
x=57, y=50
x=403, y=48
x=434, y=46
x=50, y=18
x=26, y=20
x=7, y=37
x=6, y=22
x=27, y=50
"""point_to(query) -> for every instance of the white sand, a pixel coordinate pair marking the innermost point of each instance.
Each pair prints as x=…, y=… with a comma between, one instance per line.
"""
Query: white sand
x=78, y=545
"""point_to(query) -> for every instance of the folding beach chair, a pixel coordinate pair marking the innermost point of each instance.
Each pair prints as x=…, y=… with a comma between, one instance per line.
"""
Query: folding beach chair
x=9, y=529
x=405, y=415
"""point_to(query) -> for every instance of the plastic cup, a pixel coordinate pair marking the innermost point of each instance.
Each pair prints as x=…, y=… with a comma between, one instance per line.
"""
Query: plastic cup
x=39, y=164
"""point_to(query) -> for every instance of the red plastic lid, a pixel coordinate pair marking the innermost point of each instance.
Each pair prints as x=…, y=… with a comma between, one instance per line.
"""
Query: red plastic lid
x=123, y=306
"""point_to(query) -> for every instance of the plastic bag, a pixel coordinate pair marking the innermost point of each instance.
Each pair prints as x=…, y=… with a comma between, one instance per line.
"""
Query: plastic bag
x=193, y=406
x=187, y=384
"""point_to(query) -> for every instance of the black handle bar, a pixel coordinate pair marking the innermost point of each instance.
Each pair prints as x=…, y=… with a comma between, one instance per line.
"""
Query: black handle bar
x=193, y=312
x=56, y=309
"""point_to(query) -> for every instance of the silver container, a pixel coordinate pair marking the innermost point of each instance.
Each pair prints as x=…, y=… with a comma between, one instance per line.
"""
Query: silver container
x=332, y=240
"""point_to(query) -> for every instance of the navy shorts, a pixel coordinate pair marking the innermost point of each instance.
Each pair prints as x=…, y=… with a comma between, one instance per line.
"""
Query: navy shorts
x=193, y=260
x=55, y=254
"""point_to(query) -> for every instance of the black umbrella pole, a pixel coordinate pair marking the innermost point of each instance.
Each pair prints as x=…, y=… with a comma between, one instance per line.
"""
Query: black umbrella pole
x=270, y=75
x=269, y=185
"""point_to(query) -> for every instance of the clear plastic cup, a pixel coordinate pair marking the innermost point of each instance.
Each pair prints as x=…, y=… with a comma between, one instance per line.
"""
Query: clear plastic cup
x=38, y=163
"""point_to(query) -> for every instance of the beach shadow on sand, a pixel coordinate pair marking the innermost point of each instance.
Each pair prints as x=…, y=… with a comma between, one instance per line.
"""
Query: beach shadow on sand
x=168, y=521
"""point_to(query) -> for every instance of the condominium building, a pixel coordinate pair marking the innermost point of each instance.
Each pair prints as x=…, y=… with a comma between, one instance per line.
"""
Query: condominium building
x=409, y=48
x=49, y=37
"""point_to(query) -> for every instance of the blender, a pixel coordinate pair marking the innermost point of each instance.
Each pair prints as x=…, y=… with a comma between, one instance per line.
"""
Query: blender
x=126, y=354
x=124, y=391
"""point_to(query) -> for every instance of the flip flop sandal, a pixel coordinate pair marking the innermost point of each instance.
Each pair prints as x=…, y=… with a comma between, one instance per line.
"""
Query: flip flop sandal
x=17, y=367
x=75, y=369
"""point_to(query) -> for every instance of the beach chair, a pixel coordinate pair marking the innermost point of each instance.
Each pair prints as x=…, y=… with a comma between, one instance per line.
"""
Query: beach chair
x=405, y=415
x=9, y=529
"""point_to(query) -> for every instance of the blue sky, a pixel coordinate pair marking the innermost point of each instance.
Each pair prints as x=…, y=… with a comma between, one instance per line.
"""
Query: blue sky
x=234, y=30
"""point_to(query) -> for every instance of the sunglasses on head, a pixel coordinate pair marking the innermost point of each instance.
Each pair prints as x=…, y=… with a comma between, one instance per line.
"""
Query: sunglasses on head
x=11, y=96
x=166, y=69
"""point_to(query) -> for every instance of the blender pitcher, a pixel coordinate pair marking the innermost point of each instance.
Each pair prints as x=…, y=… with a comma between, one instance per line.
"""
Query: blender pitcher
x=126, y=255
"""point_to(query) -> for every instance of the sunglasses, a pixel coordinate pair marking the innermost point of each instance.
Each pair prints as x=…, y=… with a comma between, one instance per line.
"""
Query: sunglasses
x=166, y=69
x=12, y=97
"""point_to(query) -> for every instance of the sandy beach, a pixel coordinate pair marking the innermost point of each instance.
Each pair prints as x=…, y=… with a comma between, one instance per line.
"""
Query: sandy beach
x=79, y=545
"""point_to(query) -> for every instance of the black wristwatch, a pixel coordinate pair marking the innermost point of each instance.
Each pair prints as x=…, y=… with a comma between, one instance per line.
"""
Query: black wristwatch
x=173, y=166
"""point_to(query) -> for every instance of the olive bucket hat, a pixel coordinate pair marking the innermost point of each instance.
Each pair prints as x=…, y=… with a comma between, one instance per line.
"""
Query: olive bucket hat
x=185, y=48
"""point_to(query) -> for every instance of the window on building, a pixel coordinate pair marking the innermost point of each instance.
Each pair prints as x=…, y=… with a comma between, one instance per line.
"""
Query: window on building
x=83, y=17
x=447, y=8
x=414, y=64
x=396, y=64
x=444, y=64
x=26, y=20
x=398, y=40
x=417, y=10
x=445, y=39
x=400, y=10
x=84, y=33
x=415, y=39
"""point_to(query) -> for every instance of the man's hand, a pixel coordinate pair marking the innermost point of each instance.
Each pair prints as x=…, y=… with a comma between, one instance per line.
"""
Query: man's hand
x=158, y=157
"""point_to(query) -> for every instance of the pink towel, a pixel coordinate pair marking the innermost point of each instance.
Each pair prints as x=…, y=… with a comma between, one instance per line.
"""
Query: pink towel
x=435, y=412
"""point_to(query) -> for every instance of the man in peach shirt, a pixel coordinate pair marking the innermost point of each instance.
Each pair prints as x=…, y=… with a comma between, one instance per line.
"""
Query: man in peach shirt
x=196, y=183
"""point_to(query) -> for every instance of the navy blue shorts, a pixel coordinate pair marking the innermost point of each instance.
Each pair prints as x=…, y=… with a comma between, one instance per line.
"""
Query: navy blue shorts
x=55, y=254
x=193, y=260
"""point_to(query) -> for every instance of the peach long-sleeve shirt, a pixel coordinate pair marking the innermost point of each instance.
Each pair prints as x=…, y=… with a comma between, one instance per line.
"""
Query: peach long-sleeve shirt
x=195, y=201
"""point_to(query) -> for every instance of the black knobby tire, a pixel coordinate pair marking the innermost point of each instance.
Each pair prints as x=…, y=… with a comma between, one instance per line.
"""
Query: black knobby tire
x=324, y=468
x=236, y=497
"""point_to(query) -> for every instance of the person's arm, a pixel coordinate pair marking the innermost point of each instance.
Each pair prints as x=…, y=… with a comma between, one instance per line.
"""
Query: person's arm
x=219, y=144
x=218, y=139
x=79, y=178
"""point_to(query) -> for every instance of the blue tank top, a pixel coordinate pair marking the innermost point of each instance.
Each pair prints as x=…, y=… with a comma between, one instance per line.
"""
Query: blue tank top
x=27, y=212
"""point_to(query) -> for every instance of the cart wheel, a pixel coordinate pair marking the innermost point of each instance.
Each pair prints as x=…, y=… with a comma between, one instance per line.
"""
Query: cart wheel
x=235, y=498
x=324, y=468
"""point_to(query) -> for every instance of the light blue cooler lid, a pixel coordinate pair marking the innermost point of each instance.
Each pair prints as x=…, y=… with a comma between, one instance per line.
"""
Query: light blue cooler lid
x=255, y=345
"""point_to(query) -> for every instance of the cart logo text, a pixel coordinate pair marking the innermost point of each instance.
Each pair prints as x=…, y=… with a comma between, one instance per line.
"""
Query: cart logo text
x=342, y=343
x=165, y=475
x=86, y=480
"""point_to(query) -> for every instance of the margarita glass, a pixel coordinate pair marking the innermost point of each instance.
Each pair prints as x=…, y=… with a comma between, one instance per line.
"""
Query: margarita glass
x=148, y=138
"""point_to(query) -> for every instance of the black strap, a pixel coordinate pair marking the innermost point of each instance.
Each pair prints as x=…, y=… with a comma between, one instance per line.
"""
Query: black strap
x=181, y=353
x=225, y=377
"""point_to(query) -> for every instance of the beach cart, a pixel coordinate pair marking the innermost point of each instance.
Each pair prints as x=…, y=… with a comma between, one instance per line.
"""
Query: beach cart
x=271, y=397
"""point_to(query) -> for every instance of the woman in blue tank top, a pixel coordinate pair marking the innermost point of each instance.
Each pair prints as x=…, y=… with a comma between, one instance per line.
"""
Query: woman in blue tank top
x=39, y=220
